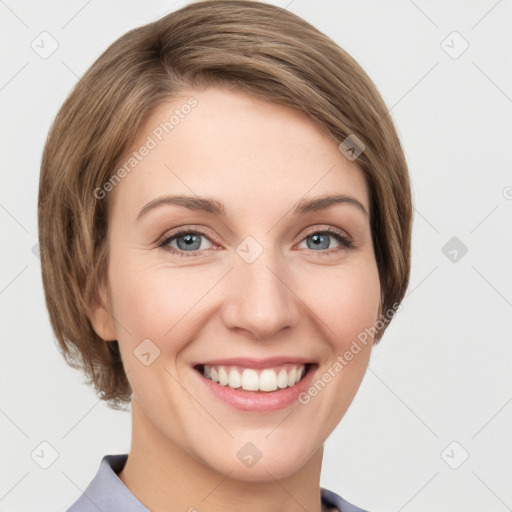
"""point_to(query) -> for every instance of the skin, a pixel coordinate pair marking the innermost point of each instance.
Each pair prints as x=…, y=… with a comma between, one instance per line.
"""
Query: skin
x=258, y=159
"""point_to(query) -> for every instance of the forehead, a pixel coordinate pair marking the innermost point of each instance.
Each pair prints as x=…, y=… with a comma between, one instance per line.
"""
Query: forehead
x=246, y=151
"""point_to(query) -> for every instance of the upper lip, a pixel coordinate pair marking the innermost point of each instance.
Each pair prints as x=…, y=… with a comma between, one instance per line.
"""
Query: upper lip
x=256, y=363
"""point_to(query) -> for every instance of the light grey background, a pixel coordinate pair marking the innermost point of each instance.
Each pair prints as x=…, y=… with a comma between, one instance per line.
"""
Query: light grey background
x=442, y=372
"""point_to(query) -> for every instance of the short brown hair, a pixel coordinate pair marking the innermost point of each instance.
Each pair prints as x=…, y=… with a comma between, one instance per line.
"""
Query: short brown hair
x=259, y=48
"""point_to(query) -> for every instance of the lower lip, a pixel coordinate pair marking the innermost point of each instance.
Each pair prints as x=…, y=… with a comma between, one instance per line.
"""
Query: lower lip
x=259, y=401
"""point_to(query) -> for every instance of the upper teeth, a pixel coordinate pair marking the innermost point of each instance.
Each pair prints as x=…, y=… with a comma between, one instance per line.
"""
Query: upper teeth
x=268, y=379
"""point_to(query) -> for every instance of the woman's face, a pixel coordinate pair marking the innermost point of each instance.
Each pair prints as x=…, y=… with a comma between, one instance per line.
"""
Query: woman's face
x=262, y=280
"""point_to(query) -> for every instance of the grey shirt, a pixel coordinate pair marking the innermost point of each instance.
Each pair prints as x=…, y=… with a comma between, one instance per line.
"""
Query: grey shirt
x=107, y=493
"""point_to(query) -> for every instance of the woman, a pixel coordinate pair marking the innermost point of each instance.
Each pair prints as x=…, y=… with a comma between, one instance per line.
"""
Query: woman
x=225, y=226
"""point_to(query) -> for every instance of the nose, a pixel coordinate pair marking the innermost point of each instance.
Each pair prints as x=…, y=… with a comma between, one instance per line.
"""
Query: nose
x=260, y=298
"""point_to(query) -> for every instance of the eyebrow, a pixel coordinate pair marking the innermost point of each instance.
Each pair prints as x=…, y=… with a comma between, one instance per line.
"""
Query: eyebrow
x=217, y=208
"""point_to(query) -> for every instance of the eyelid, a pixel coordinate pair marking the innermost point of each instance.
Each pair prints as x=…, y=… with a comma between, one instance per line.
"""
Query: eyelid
x=319, y=228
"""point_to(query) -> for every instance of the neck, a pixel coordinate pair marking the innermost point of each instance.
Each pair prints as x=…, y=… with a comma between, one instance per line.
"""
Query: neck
x=165, y=477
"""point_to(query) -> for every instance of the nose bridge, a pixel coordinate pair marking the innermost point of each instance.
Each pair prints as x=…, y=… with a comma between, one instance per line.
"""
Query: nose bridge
x=260, y=300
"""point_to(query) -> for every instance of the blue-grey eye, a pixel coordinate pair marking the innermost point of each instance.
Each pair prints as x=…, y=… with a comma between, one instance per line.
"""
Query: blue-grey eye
x=319, y=241
x=191, y=241
x=186, y=243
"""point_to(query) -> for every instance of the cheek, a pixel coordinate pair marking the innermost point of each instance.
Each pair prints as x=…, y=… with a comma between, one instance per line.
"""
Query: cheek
x=345, y=300
x=154, y=301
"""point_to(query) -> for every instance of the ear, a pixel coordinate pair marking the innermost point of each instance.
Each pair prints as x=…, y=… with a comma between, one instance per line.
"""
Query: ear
x=101, y=317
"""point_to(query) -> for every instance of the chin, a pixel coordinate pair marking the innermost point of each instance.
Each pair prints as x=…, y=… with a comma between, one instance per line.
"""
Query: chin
x=265, y=466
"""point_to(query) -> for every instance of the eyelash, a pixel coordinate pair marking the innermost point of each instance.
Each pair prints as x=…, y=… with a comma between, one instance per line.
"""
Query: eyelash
x=345, y=242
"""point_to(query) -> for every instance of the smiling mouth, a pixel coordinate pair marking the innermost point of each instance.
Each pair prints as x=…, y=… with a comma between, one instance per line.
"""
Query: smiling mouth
x=255, y=380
